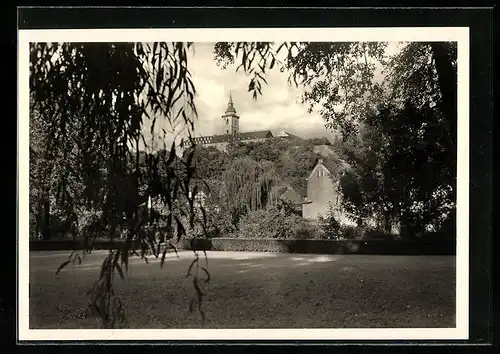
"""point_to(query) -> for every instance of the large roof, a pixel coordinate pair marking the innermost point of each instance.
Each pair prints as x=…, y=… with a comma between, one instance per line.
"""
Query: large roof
x=214, y=139
x=285, y=134
x=329, y=166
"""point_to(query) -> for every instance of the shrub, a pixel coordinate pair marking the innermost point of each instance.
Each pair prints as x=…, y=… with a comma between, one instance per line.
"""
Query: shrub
x=89, y=221
x=352, y=232
x=377, y=234
x=320, y=246
x=331, y=225
x=274, y=223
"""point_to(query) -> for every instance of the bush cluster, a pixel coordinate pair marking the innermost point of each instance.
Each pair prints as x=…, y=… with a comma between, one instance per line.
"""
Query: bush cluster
x=333, y=230
x=320, y=246
x=273, y=223
x=365, y=233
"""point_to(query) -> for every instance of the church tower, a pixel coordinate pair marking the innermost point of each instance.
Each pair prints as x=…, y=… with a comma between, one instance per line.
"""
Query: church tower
x=230, y=120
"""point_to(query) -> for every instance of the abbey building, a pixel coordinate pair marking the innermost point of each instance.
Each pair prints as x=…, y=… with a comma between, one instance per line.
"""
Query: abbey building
x=230, y=132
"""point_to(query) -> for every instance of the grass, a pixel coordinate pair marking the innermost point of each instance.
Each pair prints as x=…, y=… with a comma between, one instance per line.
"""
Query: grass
x=256, y=290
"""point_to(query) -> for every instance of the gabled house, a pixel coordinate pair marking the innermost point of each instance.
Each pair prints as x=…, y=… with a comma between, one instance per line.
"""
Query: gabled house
x=294, y=195
x=322, y=191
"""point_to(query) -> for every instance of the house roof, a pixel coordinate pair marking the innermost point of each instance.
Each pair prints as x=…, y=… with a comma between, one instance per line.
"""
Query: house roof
x=214, y=139
x=319, y=165
x=329, y=165
x=285, y=134
x=302, y=191
x=292, y=195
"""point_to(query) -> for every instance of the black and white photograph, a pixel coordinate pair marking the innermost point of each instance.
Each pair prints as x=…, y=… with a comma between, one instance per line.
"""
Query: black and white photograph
x=302, y=183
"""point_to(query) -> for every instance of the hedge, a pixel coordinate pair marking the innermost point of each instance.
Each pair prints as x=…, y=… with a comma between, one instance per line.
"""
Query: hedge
x=64, y=245
x=382, y=247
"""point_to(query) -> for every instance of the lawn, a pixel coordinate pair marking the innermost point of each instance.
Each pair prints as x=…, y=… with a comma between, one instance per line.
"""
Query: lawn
x=256, y=290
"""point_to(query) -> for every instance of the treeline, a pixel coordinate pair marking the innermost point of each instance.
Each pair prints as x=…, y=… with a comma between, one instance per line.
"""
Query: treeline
x=388, y=177
x=246, y=178
x=396, y=172
x=244, y=185
x=289, y=160
x=398, y=142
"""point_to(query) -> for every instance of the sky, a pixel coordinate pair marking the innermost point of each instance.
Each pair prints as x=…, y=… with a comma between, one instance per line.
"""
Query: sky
x=278, y=108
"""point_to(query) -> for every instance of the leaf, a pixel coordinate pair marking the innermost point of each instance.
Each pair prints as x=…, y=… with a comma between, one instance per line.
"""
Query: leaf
x=206, y=258
x=120, y=271
x=191, y=266
x=207, y=273
x=198, y=291
x=124, y=260
x=251, y=85
x=175, y=250
x=202, y=316
x=116, y=256
x=104, y=266
x=180, y=229
x=172, y=155
x=163, y=256
x=64, y=264
x=71, y=255
x=272, y=63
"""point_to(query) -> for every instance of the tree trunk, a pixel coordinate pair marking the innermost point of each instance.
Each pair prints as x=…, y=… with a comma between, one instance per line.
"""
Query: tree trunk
x=387, y=224
x=447, y=80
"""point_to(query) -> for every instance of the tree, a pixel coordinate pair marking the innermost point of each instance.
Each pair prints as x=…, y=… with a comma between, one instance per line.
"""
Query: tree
x=94, y=100
x=216, y=214
x=400, y=169
x=249, y=183
x=55, y=179
x=209, y=162
x=103, y=93
x=40, y=177
x=339, y=81
x=297, y=162
x=320, y=141
x=339, y=77
x=425, y=75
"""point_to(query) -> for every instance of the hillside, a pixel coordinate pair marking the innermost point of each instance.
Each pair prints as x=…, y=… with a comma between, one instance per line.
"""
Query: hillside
x=289, y=160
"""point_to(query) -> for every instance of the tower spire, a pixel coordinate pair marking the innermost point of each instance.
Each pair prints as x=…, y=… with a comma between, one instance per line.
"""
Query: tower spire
x=230, y=107
x=230, y=120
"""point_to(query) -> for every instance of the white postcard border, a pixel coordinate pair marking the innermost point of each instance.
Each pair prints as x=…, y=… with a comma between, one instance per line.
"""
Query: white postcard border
x=415, y=34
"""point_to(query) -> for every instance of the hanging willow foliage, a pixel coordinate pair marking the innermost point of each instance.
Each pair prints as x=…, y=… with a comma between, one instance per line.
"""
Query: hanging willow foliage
x=95, y=101
x=249, y=184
